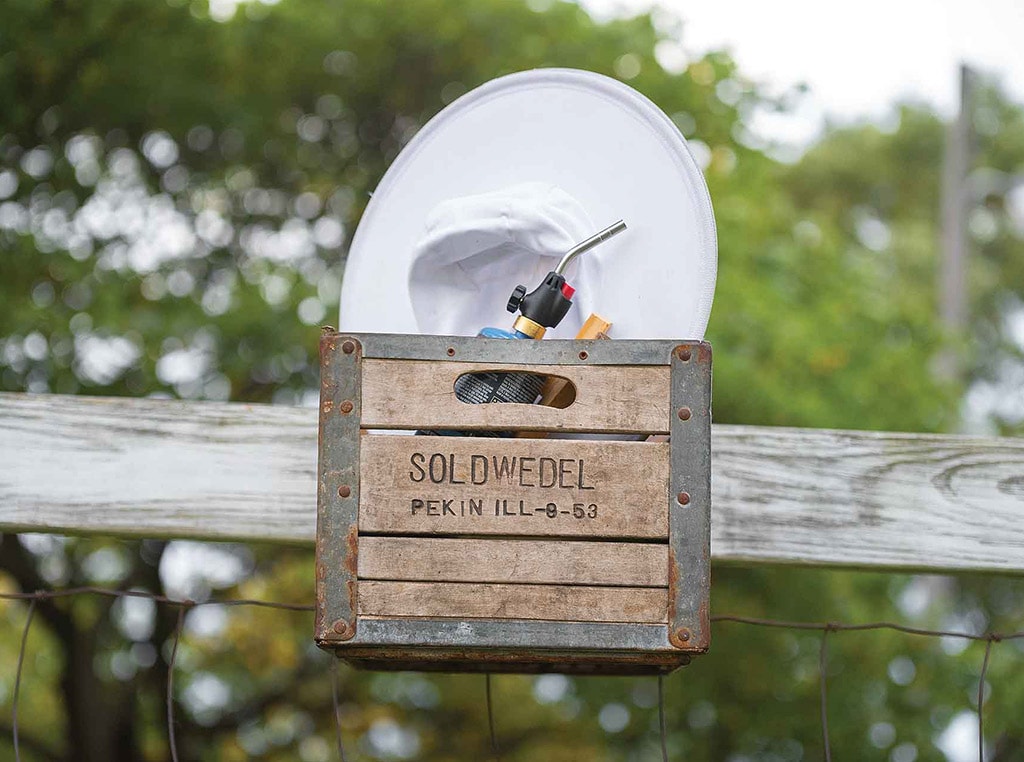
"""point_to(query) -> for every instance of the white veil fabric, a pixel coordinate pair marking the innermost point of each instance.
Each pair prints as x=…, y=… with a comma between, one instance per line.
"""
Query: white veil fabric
x=475, y=250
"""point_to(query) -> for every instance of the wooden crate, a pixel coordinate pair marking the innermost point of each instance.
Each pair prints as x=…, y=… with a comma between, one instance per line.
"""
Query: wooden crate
x=520, y=554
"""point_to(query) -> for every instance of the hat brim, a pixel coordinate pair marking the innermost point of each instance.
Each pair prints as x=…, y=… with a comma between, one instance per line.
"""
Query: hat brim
x=602, y=142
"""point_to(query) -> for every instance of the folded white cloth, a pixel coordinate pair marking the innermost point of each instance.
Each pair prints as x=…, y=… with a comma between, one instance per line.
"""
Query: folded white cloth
x=476, y=249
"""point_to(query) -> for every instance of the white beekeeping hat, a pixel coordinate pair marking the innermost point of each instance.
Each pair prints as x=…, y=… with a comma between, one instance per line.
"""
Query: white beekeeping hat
x=504, y=181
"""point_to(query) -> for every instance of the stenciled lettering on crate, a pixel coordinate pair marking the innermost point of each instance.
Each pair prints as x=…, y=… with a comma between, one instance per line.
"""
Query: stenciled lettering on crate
x=549, y=487
x=467, y=553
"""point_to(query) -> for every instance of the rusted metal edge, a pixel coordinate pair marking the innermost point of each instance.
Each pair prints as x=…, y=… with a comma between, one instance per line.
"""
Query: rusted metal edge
x=689, y=497
x=337, y=541
x=515, y=636
x=476, y=349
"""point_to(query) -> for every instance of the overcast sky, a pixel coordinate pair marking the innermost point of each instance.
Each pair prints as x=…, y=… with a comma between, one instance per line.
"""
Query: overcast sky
x=858, y=57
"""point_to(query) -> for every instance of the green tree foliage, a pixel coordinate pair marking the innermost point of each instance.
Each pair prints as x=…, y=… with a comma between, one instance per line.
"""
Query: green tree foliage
x=176, y=196
x=881, y=190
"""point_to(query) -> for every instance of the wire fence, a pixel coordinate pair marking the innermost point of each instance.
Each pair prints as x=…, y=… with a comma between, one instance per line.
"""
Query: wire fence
x=826, y=629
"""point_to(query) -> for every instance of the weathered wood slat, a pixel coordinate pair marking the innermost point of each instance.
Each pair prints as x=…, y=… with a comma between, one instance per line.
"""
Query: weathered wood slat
x=553, y=562
x=643, y=605
x=409, y=394
x=139, y=467
x=148, y=468
x=868, y=499
x=411, y=485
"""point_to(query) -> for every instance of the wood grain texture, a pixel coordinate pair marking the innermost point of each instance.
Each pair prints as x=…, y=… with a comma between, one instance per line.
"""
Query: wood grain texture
x=862, y=498
x=149, y=468
x=409, y=394
x=551, y=562
x=558, y=392
x=641, y=605
x=627, y=487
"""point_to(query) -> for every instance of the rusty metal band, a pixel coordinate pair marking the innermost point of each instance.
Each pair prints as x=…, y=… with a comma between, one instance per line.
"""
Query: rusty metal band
x=689, y=498
x=510, y=633
x=388, y=346
x=338, y=488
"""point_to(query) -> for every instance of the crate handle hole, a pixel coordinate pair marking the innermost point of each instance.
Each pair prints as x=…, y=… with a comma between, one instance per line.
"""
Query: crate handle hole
x=515, y=388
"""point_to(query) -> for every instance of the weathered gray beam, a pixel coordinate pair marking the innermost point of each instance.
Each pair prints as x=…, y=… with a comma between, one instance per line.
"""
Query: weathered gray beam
x=151, y=468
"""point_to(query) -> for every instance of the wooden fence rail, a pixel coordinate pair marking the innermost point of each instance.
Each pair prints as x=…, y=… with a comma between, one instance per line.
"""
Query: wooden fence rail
x=154, y=468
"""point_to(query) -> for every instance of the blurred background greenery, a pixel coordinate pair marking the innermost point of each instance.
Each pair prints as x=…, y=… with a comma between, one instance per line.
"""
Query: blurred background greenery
x=176, y=196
